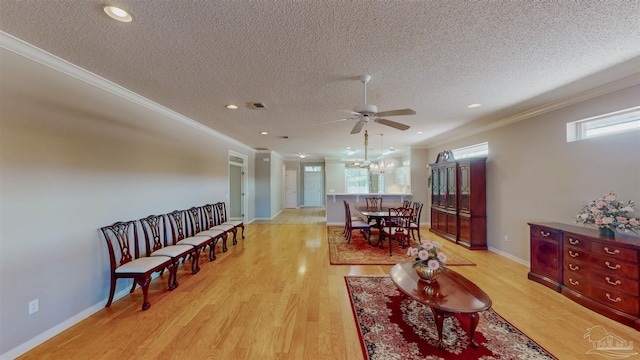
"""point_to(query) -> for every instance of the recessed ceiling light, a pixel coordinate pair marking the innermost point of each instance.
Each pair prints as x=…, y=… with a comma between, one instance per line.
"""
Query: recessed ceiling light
x=419, y=132
x=474, y=106
x=348, y=147
x=117, y=13
x=264, y=133
x=302, y=156
x=232, y=107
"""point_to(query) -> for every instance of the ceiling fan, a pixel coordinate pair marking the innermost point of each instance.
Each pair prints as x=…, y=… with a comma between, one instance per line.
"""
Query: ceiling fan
x=367, y=112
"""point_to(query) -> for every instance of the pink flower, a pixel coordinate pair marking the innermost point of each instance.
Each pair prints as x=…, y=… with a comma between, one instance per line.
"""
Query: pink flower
x=601, y=204
x=607, y=220
x=433, y=264
x=409, y=249
x=423, y=254
x=634, y=222
x=621, y=219
x=442, y=257
x=610, y=197
x=598, y=221
x=427, y=245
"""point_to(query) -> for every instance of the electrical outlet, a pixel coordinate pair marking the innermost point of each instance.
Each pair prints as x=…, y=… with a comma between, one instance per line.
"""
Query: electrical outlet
x=33, y=306
x=506, y=238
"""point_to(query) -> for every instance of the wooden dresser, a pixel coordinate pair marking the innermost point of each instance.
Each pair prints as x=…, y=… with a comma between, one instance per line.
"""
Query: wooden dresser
x=597, y=272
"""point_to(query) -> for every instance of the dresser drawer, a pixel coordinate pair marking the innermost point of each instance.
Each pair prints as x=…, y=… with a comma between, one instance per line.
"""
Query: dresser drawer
x=577, y=242
x=576, y=267
x=615, y=267
x=544, y=233
x=621, y=301
x=575, y=254
x=614, y=252
x=607, y=280
x=575, y=282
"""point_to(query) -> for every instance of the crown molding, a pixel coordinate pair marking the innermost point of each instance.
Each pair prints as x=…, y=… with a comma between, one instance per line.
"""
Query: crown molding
x=40, y=56
x=608, y=88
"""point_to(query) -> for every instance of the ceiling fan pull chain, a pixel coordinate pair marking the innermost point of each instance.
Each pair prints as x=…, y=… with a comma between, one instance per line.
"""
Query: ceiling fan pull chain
x=366, y=144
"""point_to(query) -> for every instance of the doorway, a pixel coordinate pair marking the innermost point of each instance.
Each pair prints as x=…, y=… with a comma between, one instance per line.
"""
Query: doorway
x=237, y=186
x=313, y=186
x=291, y=189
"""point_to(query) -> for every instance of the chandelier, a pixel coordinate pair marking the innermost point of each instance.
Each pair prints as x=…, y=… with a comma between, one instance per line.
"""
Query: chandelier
x=381, y=167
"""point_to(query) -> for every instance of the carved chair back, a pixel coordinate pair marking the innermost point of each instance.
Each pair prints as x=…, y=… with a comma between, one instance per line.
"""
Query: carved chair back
x=195, y=220
x=417, y=212
x=209, y=215
x=155, y=232
x=119, y=238
x=374, y=203
x=177, y=225
x=406, y=204
x=399, y=219
x=221, y=210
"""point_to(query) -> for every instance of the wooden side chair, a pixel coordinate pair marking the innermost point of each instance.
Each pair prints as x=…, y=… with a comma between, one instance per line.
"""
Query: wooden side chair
x=124, y=264
x=211, y=222
x=356, y=224
x=415, y=222
x=374, y=203
x=196, y=222
x=406, y=203
x=177, y=221
x=221, y=209
x=397, y=227
x=157, y=242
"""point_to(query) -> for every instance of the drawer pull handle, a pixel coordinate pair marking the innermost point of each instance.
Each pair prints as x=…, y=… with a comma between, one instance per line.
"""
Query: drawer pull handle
x=545, y=234
x=614, y=283
x=574, y=267
x=574, y=283
x=612, y=299
x=573, y=255
x=614, y=252
x=574, y=242
x=612, y=267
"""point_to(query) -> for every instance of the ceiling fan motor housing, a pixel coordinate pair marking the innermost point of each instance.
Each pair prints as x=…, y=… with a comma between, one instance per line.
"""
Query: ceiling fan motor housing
x=366, y=109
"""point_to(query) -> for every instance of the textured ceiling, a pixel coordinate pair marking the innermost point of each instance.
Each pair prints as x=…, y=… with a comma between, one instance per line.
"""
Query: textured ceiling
x=303, y=59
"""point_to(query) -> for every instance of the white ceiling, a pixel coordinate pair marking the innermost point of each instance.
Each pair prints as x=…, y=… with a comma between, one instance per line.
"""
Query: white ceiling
x=303, y=60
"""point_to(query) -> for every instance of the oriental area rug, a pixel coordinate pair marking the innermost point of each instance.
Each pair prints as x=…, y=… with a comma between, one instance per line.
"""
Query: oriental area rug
x=391, y=326
x=359, y=252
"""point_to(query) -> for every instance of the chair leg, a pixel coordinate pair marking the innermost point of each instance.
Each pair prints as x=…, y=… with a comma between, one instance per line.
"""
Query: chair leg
x=144, y=284
x=195, y=261
x=242, y=226
x=133, y=286
x=212, y=248
x=224, y=242
x=235, y=240
x=173, y=275
x=112, y=290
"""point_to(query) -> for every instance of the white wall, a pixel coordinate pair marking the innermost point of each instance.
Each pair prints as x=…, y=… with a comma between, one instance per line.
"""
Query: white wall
x=69, y=168
x=533, y=174
x=335, y=181
x=277, y=184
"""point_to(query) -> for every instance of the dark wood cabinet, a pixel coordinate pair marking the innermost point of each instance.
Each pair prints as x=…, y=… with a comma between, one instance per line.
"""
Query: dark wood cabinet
x=600, y=273
x=458, y=200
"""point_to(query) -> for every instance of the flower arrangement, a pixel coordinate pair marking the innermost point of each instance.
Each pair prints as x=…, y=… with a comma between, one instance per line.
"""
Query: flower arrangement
x=427, y=253
x=608, y=212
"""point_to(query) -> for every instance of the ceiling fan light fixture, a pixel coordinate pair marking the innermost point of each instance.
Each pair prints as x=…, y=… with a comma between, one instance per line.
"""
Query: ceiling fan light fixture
x=232, y=107
x=474, y=105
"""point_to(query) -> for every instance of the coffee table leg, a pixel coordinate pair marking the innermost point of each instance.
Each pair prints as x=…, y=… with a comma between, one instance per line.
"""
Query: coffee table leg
x=439, y=324
x=475, y=319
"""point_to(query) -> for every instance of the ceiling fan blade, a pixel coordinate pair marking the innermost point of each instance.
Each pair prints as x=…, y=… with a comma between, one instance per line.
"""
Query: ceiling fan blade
x=393, y=124
x=350, y=112
x=396, y=112
x=333, y=121
x=357, y=127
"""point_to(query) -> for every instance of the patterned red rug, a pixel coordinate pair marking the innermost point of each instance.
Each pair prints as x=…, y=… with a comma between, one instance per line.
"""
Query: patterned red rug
x=393, y=327
x=359, y=252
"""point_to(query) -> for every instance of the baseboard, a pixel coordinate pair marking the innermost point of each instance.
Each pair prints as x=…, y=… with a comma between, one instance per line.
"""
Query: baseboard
x=509, y=256
x=335, y=223
x=30, y=344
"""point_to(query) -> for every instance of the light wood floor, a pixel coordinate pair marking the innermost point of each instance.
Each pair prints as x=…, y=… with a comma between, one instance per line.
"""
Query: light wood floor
x=305, y=215
x=275, y=296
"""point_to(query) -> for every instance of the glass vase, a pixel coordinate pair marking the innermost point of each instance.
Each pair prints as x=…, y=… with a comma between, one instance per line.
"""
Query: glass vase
x=607, y=232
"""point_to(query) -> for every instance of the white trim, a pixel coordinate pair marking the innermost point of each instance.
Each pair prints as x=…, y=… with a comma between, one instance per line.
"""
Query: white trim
x=35, y=341
x=40, y=56
x=509, y=256
x=623, y=83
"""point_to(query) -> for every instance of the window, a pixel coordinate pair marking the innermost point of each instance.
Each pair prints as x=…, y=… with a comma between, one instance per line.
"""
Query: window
x=471, y=151
x=357, y=180
x=606, y=124
x=313, y=168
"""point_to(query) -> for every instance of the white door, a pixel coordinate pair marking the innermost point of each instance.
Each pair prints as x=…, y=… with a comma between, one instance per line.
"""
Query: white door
x=236, y=192
x=291, y=189
x=313, y=186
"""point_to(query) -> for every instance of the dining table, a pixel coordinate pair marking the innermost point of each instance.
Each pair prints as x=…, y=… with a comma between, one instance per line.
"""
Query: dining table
x=377, y=215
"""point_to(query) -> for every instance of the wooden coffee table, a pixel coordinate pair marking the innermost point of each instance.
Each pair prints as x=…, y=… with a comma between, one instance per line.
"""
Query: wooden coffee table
x=451, y=294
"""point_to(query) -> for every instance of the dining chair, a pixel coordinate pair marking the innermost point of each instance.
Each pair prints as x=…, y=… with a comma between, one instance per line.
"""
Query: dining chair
x=357, y=224
x=221, y=211
x=180, y=233
x=157, y=243
x=406, y=203
x=397, y=227
x=212, y=222
x=122, y=239
x=415, y=222
x=196, y=221
x=374, y=203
